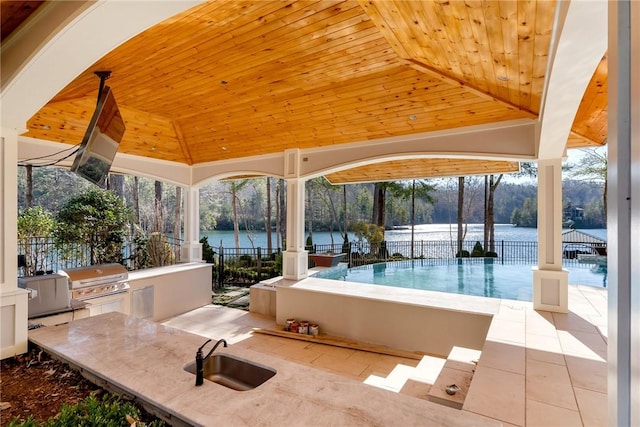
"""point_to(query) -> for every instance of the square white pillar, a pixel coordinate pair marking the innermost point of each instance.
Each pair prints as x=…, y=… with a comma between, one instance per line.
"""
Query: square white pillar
x=551, y=290
x=191, y=249
x=550, y=281
x=295, y=261
x=13, y=301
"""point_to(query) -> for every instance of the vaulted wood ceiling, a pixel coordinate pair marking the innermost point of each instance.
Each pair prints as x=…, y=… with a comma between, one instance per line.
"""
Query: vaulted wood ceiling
x=230, y=79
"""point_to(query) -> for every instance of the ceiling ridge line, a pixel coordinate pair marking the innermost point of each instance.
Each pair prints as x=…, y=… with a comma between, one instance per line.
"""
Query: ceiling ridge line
x=419, y=66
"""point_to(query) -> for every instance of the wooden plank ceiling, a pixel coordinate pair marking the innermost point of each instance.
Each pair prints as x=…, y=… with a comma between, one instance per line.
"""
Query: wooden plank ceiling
x=14, y=13
x=230, y=79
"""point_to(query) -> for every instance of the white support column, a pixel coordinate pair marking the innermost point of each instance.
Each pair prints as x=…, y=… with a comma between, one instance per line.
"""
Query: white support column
x=623, y=215
x=191, y=249
x=295, y=262
x=550, y=280
x=13, y=301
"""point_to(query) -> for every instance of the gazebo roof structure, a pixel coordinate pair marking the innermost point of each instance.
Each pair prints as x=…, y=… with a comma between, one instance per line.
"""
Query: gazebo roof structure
x=222, y=81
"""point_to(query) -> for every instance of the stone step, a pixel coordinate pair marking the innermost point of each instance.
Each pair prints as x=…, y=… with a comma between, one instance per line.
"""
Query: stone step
x=417, y=389
x=378, y=381
x=457, y=374
x=425, y=373
x=428, y=369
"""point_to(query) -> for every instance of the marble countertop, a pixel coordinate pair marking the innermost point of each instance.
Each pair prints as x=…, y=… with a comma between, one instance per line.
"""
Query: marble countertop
x=146, y=359
x=147, y=273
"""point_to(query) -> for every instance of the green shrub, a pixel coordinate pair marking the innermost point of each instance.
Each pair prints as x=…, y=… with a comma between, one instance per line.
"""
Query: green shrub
x=477, y=250
x=491, y=254
x=111, y=411
x=462, y=254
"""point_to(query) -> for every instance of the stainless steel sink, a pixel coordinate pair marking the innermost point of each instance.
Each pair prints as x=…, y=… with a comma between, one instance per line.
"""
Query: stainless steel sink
x=233, y=372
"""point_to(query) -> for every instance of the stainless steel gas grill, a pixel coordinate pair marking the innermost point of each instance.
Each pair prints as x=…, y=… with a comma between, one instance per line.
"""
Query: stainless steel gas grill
x=103, y=286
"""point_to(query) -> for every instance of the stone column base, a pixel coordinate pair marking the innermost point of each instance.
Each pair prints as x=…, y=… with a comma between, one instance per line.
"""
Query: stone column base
x=191, y=252
x=551, y=290
x=295, y=265
x=14, y=307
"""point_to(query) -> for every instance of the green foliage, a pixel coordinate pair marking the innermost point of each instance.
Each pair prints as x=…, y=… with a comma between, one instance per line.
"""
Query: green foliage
x=462, y=254
x=141, y=257
x=277, y=265
x=35, y=222
x=208, y=254
x=491, y=254
x=111, y=411
x=35, y=226
x=477, y=250
x=98, y=218
x=527, y=216
x=369, y=232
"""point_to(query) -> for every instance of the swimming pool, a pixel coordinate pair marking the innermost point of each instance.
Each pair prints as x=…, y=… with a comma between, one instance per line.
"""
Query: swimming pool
x=469, y=277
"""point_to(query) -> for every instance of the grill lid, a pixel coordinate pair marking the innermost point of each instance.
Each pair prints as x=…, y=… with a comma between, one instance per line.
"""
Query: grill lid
x=95, y=275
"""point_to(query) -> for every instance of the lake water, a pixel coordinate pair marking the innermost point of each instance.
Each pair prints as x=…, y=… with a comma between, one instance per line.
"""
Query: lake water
x=442, y=232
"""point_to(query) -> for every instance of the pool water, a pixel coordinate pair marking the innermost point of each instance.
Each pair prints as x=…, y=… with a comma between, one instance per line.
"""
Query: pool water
x=494, y=280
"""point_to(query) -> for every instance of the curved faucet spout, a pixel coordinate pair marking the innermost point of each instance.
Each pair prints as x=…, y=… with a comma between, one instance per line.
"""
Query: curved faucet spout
x=214, y=348
x=200, y=359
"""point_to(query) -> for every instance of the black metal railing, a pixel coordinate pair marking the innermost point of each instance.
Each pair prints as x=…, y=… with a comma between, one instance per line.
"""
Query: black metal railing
x=41, y=255
x=247, y=266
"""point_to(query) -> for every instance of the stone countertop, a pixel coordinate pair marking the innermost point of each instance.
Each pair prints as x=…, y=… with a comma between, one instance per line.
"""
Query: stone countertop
x=146, y=359
x=161, y=271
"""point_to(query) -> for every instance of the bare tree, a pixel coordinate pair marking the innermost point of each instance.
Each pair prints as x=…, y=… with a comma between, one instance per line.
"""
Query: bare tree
x=177, y=224
x=461, y=235
x=158, y=226
x=267, y=217
x=135, y=199
x=115, y=183
x=29, y=169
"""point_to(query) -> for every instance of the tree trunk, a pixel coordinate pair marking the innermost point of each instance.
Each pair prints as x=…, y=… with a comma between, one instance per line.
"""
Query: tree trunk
x=234, y=207
x=310, y=212
x=493, y=185
x=378, y=205
x=267, y=221
x=344, y=207
x=29, y=186
x=374, y=209
x=283, y=213
x=460, y=213
x=116, y=184
x=177, y=223
x=158, y=207
x=278, y=213
x=486, y=214
x=413, y=213
x=604, y=199
x=135, y=196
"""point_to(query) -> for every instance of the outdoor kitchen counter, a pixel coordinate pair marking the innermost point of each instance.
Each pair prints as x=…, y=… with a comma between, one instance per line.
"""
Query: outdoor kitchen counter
x=146, y=359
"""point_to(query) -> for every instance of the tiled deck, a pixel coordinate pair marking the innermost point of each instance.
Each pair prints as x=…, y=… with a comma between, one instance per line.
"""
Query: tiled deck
x=536, y=368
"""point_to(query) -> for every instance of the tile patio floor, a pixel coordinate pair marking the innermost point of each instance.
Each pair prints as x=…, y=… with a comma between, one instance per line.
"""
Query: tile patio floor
x=536, y=368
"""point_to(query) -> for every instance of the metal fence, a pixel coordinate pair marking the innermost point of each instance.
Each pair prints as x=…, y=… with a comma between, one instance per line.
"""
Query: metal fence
x=247, y=266
x=42, y=255
x=360, y=253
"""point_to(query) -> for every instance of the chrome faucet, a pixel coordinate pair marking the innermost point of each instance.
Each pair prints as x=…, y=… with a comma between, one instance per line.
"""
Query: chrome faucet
x=200, y=360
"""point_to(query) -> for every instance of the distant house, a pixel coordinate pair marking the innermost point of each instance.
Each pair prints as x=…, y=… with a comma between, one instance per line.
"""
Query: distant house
x=575, y=242
x=571, y=215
